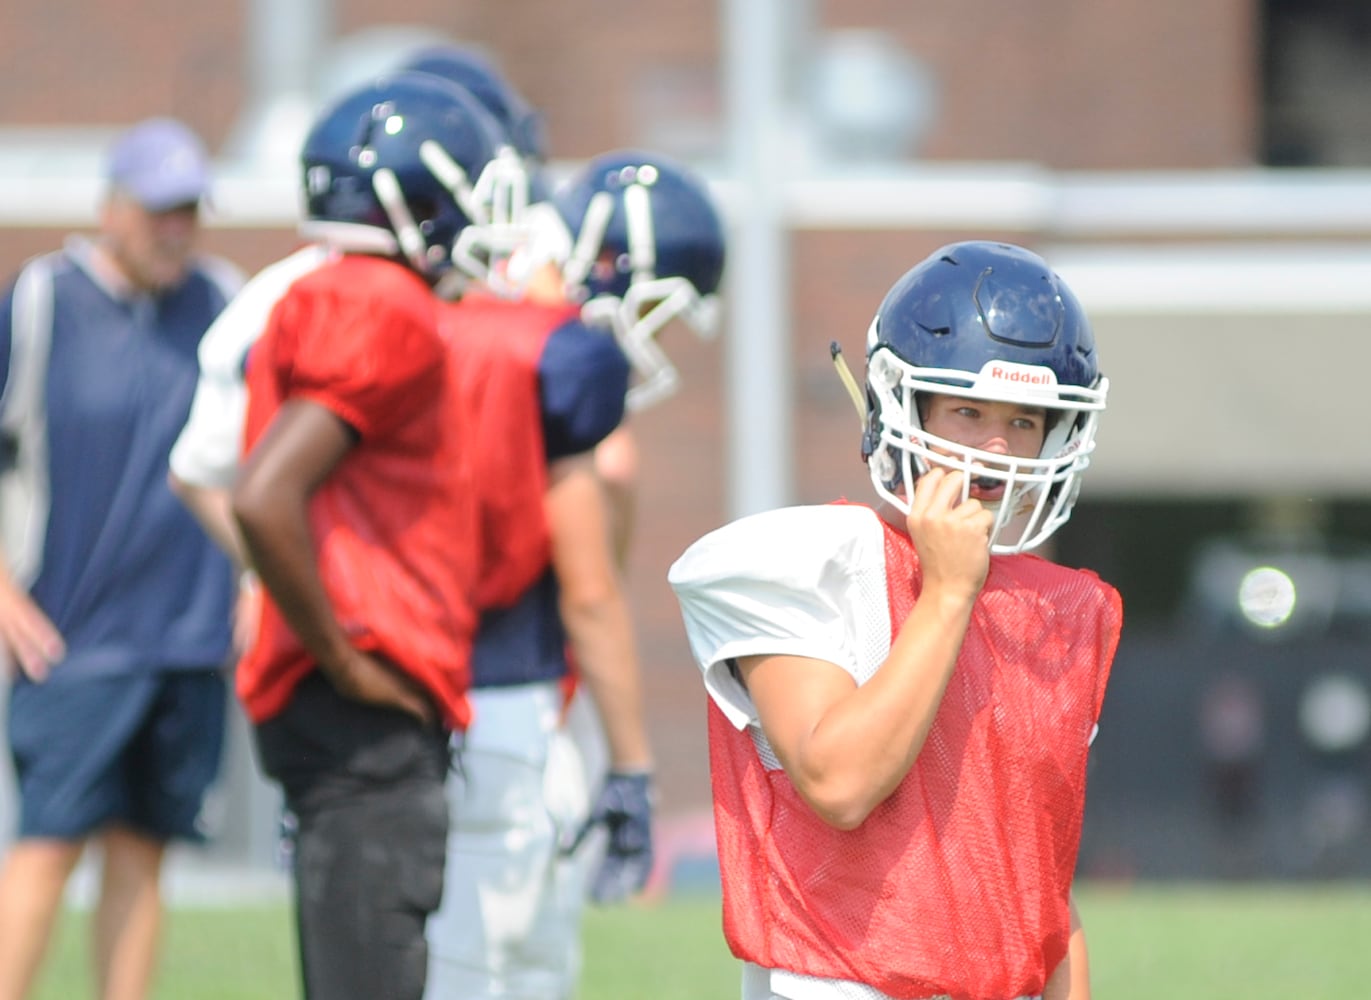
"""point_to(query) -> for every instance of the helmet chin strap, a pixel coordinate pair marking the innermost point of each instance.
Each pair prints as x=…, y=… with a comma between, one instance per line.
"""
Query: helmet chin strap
x=849, y=382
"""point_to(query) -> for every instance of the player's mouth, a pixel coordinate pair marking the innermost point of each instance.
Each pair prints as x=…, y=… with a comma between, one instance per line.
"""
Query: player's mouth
x=987, y=488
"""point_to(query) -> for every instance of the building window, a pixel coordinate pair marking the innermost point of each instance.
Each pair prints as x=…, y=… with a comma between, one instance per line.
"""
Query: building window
x=1316, y=73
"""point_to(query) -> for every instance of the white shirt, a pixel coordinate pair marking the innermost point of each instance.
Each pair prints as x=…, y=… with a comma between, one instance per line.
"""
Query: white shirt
x=209, y=448
x=801, y=581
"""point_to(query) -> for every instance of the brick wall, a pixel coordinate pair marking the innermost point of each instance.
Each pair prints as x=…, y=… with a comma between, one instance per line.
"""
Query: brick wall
x=1066, y=83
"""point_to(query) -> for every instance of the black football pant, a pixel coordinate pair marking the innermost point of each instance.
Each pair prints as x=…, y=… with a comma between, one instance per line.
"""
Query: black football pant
x=365, y=787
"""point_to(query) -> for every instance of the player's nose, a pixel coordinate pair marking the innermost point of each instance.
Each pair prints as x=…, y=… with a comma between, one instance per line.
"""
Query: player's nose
x=996, y=444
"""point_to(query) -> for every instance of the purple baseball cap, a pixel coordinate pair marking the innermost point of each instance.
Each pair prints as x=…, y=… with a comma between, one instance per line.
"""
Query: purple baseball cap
x=161, y=163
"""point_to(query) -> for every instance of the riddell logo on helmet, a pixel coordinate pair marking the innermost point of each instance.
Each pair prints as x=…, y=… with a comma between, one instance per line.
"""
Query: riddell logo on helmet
x=1017, y=374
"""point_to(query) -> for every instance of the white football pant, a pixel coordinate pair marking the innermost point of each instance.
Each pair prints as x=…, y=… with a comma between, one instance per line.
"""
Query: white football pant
x=509, y=923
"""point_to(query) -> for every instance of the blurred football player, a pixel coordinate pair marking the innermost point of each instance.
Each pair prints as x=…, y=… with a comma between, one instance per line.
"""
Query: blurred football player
x=523, y=803
x=356, y=507
x=646, y=252
x=543, y=389
x=205, y=459
x=638, y=241
x=901, y=698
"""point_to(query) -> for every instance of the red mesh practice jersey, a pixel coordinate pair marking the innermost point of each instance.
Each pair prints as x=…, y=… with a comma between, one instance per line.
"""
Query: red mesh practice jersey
x=395, y=523
x=497, y=345
x=958, y=883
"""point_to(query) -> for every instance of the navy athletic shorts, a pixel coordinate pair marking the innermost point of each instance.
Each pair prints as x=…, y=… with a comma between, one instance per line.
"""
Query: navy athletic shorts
x=140, y=750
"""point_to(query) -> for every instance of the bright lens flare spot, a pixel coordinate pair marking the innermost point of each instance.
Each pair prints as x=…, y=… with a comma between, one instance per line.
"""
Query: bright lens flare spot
x=394, y=124
x=1266, y=597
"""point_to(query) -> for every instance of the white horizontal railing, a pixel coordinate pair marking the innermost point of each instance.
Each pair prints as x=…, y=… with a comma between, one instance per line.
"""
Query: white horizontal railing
x=51, y=176
x=1193, y=242
x=1270, y=279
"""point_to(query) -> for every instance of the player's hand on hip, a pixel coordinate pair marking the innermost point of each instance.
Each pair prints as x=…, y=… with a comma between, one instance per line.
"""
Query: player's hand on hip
x=368, y=678
x=951, y=535
x=624, y=808
x=32, y=641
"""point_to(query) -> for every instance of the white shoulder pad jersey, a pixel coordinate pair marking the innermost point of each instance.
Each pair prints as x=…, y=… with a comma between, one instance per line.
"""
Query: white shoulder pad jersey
x=799, y=581
x=805, y=581
x=209, y=447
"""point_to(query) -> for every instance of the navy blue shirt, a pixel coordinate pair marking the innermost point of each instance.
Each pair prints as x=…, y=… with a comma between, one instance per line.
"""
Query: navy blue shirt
x=126, y=574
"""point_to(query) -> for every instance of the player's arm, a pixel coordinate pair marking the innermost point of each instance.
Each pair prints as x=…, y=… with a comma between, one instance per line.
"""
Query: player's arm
x=202, y=464
x=583, y=378
x=303, y=444
x=594, y=607
x=204, y=459
x=846, y=747
x=212, y=506
x=616, y=462
x=1070, y=980
x=595, y=613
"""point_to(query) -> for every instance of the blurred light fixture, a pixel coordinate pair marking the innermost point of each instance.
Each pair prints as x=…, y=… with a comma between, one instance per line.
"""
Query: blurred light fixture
x=1335, y=714
x=1266, y=597
x=872, y=101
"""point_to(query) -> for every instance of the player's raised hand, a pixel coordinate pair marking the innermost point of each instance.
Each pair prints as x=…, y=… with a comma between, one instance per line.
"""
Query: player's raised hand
x=951, y=534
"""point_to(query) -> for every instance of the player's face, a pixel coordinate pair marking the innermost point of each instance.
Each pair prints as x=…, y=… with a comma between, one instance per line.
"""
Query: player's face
x=1000, y=428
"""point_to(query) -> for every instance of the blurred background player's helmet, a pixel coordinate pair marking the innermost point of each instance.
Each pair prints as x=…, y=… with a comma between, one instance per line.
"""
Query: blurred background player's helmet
x=393, y=168
x=479, y=74
x=645, y=245
x=515, y=177
x=986, y=321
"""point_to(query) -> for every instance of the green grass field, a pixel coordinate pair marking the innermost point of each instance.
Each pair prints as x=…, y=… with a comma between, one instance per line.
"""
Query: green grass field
x=1257, y=942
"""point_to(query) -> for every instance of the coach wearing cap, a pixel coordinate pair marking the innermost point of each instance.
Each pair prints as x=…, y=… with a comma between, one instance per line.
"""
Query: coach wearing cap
x=158, y=175
x=114, y=607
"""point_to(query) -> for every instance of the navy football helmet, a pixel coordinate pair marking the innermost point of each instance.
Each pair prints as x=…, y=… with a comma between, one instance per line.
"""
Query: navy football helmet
x=514, y=178
x=393, y=168
x=644, y=244
x=468, y=68
x=985, y=321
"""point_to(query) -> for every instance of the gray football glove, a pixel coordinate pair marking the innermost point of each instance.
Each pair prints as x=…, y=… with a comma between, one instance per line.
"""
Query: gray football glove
x=624, y=808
